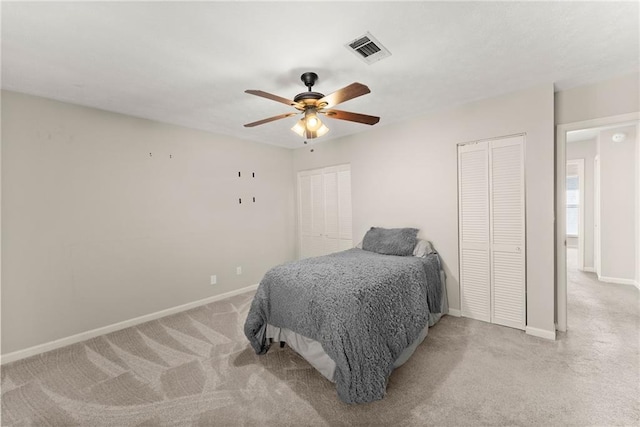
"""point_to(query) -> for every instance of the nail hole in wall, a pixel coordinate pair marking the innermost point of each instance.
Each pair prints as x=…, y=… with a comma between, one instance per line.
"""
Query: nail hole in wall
x=240, y=201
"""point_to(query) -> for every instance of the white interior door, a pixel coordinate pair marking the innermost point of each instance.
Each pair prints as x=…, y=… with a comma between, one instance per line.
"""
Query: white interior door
x=317, y=216
x=492, y=233
x=345, y=228
x=331, y=235
x=507, y=229
x=305, y=208
x=324, y=210
x=473, y=203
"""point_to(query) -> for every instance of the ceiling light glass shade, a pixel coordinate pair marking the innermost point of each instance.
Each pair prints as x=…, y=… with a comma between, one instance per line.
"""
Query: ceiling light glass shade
x=310, y=134
x=299, y=128
x=322, y=130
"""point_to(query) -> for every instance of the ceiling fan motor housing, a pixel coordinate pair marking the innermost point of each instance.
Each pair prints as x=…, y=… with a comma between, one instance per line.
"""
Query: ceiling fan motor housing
x=309, y=79
x=308, y=98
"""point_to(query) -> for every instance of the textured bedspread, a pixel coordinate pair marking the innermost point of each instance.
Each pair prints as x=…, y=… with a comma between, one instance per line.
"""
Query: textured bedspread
x=364, y=308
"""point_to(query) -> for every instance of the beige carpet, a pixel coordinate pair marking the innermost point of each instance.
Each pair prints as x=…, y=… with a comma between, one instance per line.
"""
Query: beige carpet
x=196, y=368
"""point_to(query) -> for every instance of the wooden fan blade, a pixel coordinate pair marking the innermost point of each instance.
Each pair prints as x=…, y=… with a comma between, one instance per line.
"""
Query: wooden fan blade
x=354, y=90
x=275, y=98
x=352, y=117
x=270, y=119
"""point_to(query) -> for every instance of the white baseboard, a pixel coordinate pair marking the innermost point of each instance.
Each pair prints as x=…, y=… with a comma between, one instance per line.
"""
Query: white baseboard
x=454, y=312
x=618, y=281
x=541, y=333
x=83, y=336
x=589, y=269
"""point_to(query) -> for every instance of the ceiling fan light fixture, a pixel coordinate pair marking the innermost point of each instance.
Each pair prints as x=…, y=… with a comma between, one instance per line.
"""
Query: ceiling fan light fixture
x=310, y=126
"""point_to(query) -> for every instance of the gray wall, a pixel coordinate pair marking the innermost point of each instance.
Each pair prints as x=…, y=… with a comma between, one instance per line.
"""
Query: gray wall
x=406, y=175
x=586, y=150
x=617, y=204
x=603, y=99
x=96, y=231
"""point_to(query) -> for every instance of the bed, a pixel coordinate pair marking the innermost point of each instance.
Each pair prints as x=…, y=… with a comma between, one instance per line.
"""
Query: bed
x=354, y=315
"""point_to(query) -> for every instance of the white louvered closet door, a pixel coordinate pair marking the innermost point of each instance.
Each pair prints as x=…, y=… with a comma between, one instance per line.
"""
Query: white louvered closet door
x=331, y=236
x=506, y=158
x=473, y=218
x=492, y=231
x=311, y=213
x=317, y=215
x=345, y=232
x=324, y=210
x=305, y=214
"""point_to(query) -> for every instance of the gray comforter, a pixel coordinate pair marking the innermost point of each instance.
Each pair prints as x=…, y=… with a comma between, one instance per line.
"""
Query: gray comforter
x=363, y=307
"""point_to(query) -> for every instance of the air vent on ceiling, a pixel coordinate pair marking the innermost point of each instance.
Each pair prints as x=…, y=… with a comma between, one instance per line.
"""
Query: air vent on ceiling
x=367, y=48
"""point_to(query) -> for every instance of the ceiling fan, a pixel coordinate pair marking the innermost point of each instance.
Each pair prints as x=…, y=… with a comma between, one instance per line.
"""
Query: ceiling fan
x=313, y=103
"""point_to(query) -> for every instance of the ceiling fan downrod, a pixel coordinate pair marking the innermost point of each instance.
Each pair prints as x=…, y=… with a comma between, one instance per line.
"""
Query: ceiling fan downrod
x=308, y=98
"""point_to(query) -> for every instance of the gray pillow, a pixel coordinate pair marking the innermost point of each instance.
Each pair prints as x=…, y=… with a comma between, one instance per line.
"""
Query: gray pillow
x=423, y=248
x=390, y=241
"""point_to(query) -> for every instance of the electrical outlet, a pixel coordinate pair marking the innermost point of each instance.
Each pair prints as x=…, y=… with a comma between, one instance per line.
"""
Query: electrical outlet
x=238, y=270
x=214, y=279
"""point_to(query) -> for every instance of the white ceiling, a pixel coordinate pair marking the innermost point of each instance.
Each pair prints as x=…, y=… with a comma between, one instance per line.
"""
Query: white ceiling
x=189, y=63
x=592, y=133
x=582, y=135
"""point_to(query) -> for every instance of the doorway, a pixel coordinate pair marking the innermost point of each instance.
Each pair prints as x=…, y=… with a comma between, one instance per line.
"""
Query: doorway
x=604, y=239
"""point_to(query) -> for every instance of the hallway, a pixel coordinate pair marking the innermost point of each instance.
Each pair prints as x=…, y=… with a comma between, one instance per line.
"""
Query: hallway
x=591, y=302
x=606, y=318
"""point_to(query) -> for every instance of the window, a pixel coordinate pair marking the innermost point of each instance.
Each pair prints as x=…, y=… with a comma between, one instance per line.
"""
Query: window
x=573, y=205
